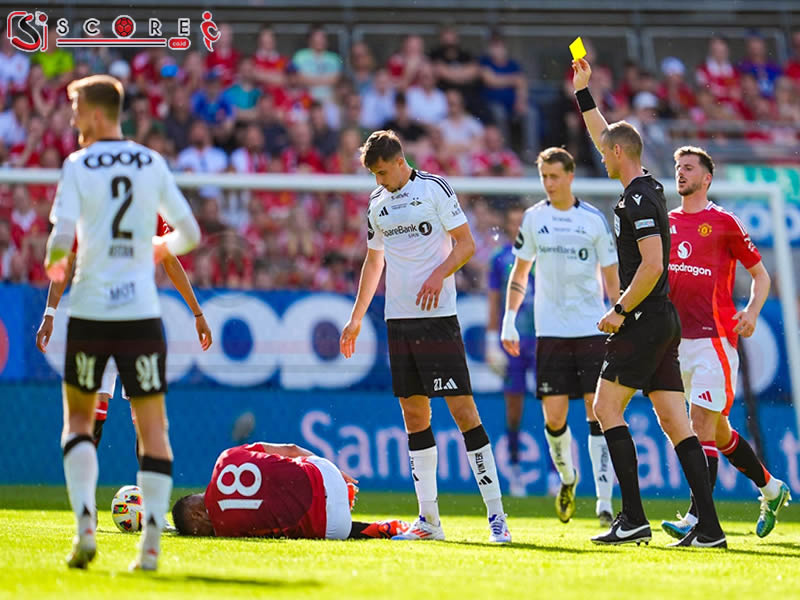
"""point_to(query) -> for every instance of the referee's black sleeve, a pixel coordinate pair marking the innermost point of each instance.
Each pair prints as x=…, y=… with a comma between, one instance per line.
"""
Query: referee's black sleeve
x=643, y=214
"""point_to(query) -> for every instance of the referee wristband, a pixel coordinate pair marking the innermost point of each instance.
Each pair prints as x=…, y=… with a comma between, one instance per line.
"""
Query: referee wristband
x=50, y=311
x=585, y=100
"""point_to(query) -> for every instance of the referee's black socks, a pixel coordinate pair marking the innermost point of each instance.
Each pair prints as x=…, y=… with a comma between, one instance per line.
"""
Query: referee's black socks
x=693, y=463
x=626, y=466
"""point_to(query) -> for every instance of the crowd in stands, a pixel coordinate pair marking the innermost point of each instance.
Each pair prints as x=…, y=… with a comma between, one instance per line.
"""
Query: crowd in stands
x=458, y=113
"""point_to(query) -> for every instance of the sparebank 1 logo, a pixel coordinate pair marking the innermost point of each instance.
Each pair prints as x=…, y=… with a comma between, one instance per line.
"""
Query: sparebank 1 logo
x=29, y=32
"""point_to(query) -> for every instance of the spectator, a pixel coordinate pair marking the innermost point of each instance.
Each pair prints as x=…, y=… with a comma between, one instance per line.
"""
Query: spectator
x=17, y=269
x=301, y=156
x=209, y=220
x=426, y=102
x=156, y=140
x=210, y=104
x=201, y=157
x=354, y=109
x=657, y=153
x=178, y=121
x=204, y=271
x=27, y=154
x=144, y=68
x=759, y=66
x=404, y=66
x=333, y=275
x=141, y=121
x=56, y=63
x=792, y=68
x=193, y=71
x=717, y=74
x=14, y=67
x=378, y=102
x=60, y=133
x=440, y=159
x=7, y=250
x=346, y=159
x=410, y=132
x=325, y=138
x=263, y=275
x=319, y=68
x=457, y=69
x=243, y=95
x=224, y=59
x=630, y=85
x=462, y=132
x=293, y=101
x=787, y=101
x=249, y=158
x=42, y=95
x=506, y=93
x=14, y=121
x=235, y=263
x=362, y=67
x=24, y=218
x=495, y=159
x=269, y=64
x=674, y=93
x=276, y=138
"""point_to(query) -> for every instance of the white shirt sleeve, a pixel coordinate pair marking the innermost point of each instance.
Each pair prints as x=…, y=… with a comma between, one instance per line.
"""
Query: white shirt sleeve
x=447, y=206
x=172, y=204
x=604, y=244
x=525, y=242
x=67, y=203
x=374, y=234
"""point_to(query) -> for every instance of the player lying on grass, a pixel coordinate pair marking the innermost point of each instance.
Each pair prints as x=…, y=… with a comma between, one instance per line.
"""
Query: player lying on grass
x=276, y=490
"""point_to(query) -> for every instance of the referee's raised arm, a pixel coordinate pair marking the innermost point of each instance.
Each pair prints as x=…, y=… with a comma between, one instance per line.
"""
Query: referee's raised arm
x=594, y=119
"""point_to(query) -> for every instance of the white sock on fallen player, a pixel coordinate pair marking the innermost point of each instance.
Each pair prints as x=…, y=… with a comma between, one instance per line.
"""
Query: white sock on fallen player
x=485, y=471
x=156, y=489
x=423, y=472
x=80, y=473
x=561, y=453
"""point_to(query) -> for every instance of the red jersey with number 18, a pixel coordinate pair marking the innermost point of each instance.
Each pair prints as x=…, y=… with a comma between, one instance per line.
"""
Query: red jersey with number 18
x=256, y=494
x=702, y=269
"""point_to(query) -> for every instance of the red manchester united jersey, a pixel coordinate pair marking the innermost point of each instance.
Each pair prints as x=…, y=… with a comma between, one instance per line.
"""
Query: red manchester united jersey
x=256, y=494
x=702, y=269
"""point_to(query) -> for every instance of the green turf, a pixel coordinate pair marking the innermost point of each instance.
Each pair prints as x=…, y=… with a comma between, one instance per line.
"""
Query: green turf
x=547, y=559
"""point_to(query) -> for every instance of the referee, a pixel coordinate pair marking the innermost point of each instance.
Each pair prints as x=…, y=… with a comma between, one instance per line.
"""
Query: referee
x=642, y=350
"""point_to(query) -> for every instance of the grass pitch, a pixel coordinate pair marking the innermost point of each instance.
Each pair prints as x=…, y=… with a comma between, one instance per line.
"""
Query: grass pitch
x=547, y=559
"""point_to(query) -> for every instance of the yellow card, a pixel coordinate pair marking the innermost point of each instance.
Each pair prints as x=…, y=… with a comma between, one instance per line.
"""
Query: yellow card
x=577, y=49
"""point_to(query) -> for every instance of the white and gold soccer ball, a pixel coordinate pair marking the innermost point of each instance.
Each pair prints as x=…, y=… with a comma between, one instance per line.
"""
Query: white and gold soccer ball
x=127, y=509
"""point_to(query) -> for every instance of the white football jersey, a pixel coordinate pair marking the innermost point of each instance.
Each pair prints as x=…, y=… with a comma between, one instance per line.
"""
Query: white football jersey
x=411, y=226
x=114, y=190
x=568, y=246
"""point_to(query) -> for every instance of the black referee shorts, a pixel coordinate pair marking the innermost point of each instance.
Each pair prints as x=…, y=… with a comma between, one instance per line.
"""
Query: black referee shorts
x=643, y=354
x=427, y=357
x=138, y=348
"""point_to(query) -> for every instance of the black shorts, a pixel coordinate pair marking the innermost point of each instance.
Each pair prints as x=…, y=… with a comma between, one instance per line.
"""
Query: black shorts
x=568, y=366
x=643, y=354
x=138, y=348
x=427, y=357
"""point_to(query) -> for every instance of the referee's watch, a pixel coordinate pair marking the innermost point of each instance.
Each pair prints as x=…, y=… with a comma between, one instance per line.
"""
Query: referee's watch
x=620, y=310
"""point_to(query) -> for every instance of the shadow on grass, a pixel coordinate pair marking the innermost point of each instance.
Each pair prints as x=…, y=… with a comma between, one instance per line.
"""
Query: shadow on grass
x=538, y=547
x=734, y=550
x=222, y=580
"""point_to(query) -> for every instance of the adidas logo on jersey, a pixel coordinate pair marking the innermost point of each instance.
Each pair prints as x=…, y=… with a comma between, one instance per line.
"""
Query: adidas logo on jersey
x=384, y=212
x=543, y=230
x=673, y=229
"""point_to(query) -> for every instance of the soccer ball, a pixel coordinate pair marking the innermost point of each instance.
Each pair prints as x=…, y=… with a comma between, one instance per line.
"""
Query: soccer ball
x=124, y=26
x=127, y=509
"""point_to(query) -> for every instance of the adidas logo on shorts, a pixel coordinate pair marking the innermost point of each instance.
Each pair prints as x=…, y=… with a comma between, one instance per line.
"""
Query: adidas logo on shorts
x=450, y=385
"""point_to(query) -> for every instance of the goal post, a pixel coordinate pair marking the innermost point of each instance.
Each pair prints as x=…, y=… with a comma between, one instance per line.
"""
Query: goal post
x=526, y=186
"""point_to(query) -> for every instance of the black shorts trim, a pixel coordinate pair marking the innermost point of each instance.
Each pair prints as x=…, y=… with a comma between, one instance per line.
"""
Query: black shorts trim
x=427, y=357
x=138, y=348
x=568, y=366
x=643, y=354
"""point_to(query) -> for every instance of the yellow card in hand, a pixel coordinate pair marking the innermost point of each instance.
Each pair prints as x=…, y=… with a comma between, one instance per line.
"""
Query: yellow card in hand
x=577, y=49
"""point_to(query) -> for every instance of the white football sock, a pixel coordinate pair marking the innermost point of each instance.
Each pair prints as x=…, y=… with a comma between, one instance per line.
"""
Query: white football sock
x=601, y=469
x=485, y=471
x=156, y=489
x=772, y=489
x=423, y=472
x=80, y=472
x=561, y=453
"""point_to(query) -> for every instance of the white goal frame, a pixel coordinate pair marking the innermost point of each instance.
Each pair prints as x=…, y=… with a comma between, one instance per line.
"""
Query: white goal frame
x=604, y=188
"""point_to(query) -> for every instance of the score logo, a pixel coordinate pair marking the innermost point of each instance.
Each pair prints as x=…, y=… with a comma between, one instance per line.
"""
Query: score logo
x=29, y=32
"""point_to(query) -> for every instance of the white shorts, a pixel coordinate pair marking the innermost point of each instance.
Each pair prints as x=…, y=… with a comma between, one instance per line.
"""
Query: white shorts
x=709, y=367
x=109, y=380
x=337, y=501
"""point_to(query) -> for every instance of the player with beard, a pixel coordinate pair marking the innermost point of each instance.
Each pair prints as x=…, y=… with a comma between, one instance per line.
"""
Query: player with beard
x=707, y=242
